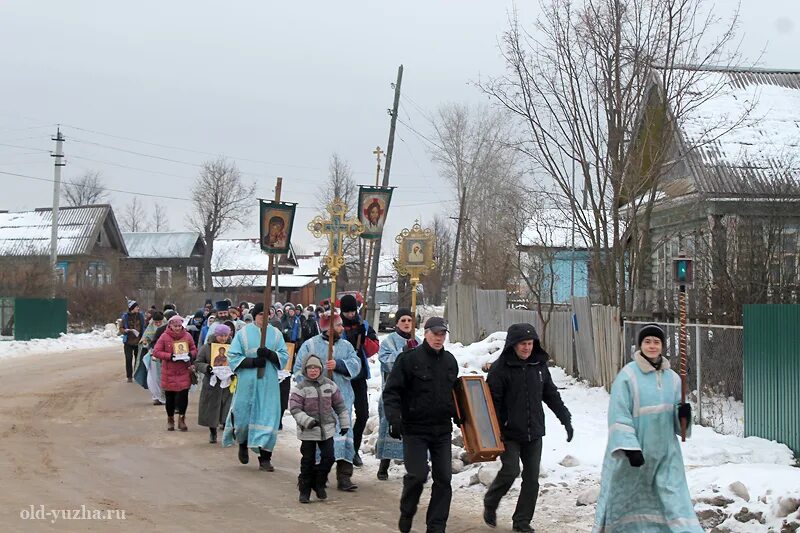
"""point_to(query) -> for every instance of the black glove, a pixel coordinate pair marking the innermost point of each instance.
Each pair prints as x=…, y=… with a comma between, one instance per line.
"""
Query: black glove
x=312, y=424
x=635, y=458
x=209, y=369
x=269, y=355
x=457, y=420
x=258, y=362
x=570, y=432
x=685, y=412
x=396, y=430
x=343, y=431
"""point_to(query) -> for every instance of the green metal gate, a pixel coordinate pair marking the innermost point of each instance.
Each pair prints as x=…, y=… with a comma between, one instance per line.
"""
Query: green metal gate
x=39, y=318
x=772, y=373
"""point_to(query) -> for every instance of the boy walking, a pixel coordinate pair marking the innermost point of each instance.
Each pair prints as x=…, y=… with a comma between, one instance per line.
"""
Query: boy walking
x=315, y=404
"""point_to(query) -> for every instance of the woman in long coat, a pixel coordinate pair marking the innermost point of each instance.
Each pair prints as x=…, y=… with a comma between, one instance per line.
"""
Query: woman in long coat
x=176, y=373
x=402, y=339
x=643, y=484
x=215, y=400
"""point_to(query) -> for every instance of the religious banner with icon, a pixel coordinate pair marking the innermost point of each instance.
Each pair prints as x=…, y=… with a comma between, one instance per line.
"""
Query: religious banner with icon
x=373, y=207
x=416, y=252
x=276, y=221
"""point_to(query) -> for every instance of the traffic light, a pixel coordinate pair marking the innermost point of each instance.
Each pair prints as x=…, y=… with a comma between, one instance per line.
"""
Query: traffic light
x=682, y=271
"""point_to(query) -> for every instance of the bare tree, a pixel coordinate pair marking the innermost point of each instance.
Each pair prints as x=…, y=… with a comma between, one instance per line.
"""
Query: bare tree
x=438, y=280
x=473, y=154
x=133, y=217
x=160, y=222
x=87, y=189
x=221, y=199
x=578, y=85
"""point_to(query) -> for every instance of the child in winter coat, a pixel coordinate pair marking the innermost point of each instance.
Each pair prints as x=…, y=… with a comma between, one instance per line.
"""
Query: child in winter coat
x=312, y=403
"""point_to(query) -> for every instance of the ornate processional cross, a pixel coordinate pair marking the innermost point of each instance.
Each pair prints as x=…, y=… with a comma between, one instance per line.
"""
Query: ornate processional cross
x=336, y=229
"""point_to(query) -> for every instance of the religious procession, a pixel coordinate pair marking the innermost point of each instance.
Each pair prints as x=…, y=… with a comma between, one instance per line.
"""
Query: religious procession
x=253, y=364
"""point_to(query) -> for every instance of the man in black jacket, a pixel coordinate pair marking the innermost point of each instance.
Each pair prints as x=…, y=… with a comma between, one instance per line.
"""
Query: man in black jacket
x=520, y=381
x=419, y=405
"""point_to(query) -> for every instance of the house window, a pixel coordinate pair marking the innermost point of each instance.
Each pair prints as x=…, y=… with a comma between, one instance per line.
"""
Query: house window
x=193, y=277
x=97, y=274
x=163, y=277
x=61, y=271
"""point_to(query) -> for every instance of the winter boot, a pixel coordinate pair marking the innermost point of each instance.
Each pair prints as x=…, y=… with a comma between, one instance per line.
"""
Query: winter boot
x=357, y=462
x=212, y=438
x=404, y=524
x=170, y=423
x=182, y=423
x=383, y=469
x=344, y=471
x=244, y=454
x=265, y=462
x=304, y=486
x=320, y=480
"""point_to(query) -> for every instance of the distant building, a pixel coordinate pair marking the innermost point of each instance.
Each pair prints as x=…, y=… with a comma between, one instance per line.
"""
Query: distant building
x=164, y=261
x=89, y=247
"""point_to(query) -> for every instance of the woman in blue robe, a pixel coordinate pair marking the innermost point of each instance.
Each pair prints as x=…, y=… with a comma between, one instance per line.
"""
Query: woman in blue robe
x=643, y=484
x=256, y=405
x=387, y=448
x=345, y=365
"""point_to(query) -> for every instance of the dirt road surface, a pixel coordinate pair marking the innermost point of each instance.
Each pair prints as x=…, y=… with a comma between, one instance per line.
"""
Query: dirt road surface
x=75, y=435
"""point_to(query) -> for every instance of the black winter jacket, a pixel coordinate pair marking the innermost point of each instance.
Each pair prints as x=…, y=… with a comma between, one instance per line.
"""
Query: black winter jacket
x=418, y=395
x=518, y=389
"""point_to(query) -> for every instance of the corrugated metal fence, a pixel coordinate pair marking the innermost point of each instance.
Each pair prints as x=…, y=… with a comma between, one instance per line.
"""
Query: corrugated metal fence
x=772, y=373
x=474, y=313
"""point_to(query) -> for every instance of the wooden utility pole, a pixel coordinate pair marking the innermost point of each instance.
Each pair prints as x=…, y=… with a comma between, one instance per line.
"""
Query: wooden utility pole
x=373, y=276
x=268, y=286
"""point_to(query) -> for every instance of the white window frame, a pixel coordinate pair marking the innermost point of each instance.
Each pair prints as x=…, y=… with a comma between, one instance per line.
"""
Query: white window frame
x=168, y=272
x=193, y=277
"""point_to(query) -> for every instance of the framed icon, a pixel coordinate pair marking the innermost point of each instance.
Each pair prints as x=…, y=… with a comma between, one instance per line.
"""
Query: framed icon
x=373, y=207
x=219, y=354
x=276, y=222
x=180, y=348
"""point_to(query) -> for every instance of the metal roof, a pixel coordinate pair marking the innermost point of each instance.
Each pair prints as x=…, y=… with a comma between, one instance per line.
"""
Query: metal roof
x=161, y=245
x=28, y=233
x=744, y=132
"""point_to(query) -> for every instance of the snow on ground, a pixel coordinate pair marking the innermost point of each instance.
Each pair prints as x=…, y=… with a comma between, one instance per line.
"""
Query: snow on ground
x=713, y=461
x=99, y=338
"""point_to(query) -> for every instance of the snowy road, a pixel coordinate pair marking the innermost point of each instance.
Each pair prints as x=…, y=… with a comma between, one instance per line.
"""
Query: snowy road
x=74, y=434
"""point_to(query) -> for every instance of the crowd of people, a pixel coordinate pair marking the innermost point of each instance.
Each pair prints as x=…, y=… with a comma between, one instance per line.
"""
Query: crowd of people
x=245, y=389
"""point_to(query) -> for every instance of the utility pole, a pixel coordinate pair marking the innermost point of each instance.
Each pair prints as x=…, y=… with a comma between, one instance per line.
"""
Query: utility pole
x=58, y=163
x=373, y=276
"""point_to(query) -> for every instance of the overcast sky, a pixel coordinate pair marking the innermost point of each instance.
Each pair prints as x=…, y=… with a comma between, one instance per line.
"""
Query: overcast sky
x=276, y=86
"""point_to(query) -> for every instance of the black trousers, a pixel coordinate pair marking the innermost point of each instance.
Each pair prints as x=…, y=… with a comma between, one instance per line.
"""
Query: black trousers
x=285, y=386
x=415, y=457
x=308, y=460
x=361, y=405
x=176, y=401
x=130, y=358
x=530, y=453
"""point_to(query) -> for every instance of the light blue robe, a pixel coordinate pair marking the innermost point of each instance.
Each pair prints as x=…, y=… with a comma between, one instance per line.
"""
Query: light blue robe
x=255, y=413
x=386, y=447
x=343, y=449
x=642, y=415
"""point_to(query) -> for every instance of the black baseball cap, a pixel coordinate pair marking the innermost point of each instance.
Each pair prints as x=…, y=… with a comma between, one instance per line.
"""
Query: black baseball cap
x=436, y=324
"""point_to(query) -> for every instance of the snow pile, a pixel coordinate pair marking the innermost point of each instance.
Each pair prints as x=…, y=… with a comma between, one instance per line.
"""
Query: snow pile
x=569, y=470
x=99, y=338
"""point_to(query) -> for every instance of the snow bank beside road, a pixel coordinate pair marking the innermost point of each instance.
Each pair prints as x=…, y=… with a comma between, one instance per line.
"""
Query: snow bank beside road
x=99, y=338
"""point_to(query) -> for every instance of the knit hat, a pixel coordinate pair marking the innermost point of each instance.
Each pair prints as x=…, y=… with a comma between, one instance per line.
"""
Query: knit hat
x=221, y=330
x=400, y=313
x=278, y=306
x=131, y=304
x=167, y=307
x=311, y=361
x=257, y=309
x=176, y=318
x=325, y=320
x=288, y=307
x=248, y=317
x=650, y=330
x=520, y=333
x=199, y=314
x=169, y=313
x=348, y=303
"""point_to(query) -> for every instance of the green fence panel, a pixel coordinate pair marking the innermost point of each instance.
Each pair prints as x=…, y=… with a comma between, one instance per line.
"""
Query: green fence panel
x=38, y=318
x=772, y=373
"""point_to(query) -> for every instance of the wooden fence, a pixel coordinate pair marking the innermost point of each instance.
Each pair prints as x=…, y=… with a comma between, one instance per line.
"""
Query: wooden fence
x=473, y=314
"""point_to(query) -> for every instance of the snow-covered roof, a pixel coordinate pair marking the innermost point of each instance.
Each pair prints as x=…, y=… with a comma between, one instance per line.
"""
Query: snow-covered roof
x=161, y=245
x=285, y=281
x=744, y=129
x=238, y=254
x=28, y=233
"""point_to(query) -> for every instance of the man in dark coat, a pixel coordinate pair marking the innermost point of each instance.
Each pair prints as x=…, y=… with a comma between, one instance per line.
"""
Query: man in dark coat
x=520, y=381
x=132, y=327
x=365, y=341
x=419, y=405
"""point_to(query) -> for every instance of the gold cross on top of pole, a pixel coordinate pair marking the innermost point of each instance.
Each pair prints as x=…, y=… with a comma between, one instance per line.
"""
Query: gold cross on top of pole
x=336, y=229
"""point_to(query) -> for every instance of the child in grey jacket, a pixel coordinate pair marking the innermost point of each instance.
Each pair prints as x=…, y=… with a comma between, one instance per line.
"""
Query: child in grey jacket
x=315, y=402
